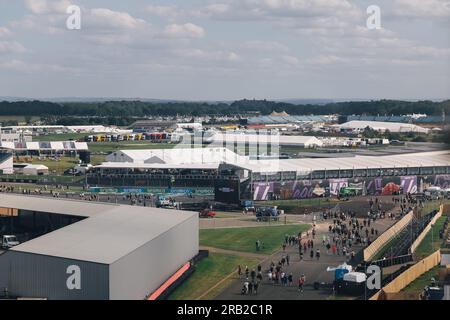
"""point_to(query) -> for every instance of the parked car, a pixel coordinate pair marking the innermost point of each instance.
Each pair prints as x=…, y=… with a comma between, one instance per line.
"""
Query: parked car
x=207, y=213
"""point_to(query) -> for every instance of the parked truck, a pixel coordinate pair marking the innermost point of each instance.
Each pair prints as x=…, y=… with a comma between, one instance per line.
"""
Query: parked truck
x=166, y=203
x=8, y=241
x=267, y=214
x=248, y=205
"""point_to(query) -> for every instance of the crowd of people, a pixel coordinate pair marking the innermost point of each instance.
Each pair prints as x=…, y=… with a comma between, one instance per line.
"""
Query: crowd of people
x=347, y=233
x=62, y=191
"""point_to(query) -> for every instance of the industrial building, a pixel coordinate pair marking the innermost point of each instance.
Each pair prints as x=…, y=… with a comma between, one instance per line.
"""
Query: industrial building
x=283, y=118
x=6, y=162
x=30, y=169
x=175, y=156
x=84, y=250
x=230, y=139
x=41, y=147
x=398, y=127
x=47, y=129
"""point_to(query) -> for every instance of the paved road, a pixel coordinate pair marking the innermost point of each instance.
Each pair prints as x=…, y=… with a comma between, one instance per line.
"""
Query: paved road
x=313, y=270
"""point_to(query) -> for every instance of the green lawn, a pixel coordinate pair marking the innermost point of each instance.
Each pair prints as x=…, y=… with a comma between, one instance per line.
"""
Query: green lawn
x=244, y=239
x=416, y=287
x=56, y=166
x=429, y=206
x=108, y=147
x=431, y=243
x=385, y=250
x=208, y=273
x=97, y=159
x=61, y=137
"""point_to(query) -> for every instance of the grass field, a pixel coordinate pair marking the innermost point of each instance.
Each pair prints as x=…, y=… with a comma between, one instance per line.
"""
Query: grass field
x=386, y=249
x=97, y=159
x=60, y=137
x=244, y=239
x=208, y=273
x=416, y=287
x=429, y=206
x=108, y=147
x=54, y=166
x=431, y=242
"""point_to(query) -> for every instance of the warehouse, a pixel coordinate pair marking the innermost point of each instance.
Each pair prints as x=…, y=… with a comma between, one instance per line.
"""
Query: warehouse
x=30, y=169
x=264, y=140
x=6, y=162
x=109, y=252
x=360, y=126
x=176, y=156
x=41, y=147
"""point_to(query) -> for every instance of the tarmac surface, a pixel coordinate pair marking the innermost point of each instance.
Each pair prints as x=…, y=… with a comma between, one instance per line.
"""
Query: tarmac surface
x=313, y=269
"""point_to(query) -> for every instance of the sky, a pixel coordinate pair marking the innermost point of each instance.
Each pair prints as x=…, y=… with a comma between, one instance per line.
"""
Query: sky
x=225, y=49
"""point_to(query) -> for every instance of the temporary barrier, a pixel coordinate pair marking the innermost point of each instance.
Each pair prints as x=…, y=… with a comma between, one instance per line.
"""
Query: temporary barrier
x=446, y=210
x=386, y=237
x=427, y=229
x=409, y=276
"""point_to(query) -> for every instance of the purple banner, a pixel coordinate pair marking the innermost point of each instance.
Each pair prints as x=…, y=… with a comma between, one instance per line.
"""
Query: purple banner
x=261, y=191
x=336, y=185
x=409, y=184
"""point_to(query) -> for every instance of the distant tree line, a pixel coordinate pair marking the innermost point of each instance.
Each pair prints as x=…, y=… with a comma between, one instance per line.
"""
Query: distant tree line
x=117, y=109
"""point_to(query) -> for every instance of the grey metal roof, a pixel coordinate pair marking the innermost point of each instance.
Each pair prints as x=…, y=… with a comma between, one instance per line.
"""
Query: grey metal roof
x=108, y=233
x=426, y=159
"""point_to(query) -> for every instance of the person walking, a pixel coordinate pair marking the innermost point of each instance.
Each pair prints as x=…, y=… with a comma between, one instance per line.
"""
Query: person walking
x=301, y=283
x=239, y=270
x=318, y=254
x=311, y=254
x=253, y=275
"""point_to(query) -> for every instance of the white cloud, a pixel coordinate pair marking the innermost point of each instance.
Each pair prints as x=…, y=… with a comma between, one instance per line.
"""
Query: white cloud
x=270, y=9
x=170, y=11
x=187, y=30
x=257, y=46
x=11, y=47
x=47, y=6
x=5, y=32
x=29, y=67
x=106, y=18
x=422, y=8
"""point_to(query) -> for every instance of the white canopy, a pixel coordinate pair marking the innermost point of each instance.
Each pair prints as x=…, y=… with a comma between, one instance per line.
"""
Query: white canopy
x=357, y=277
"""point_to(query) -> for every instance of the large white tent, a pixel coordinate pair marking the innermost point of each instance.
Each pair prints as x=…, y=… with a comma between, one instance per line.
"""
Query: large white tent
x=382, y=126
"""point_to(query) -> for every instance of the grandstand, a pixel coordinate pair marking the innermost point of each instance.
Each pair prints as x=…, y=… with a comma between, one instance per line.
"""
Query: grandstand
x=236, y=177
